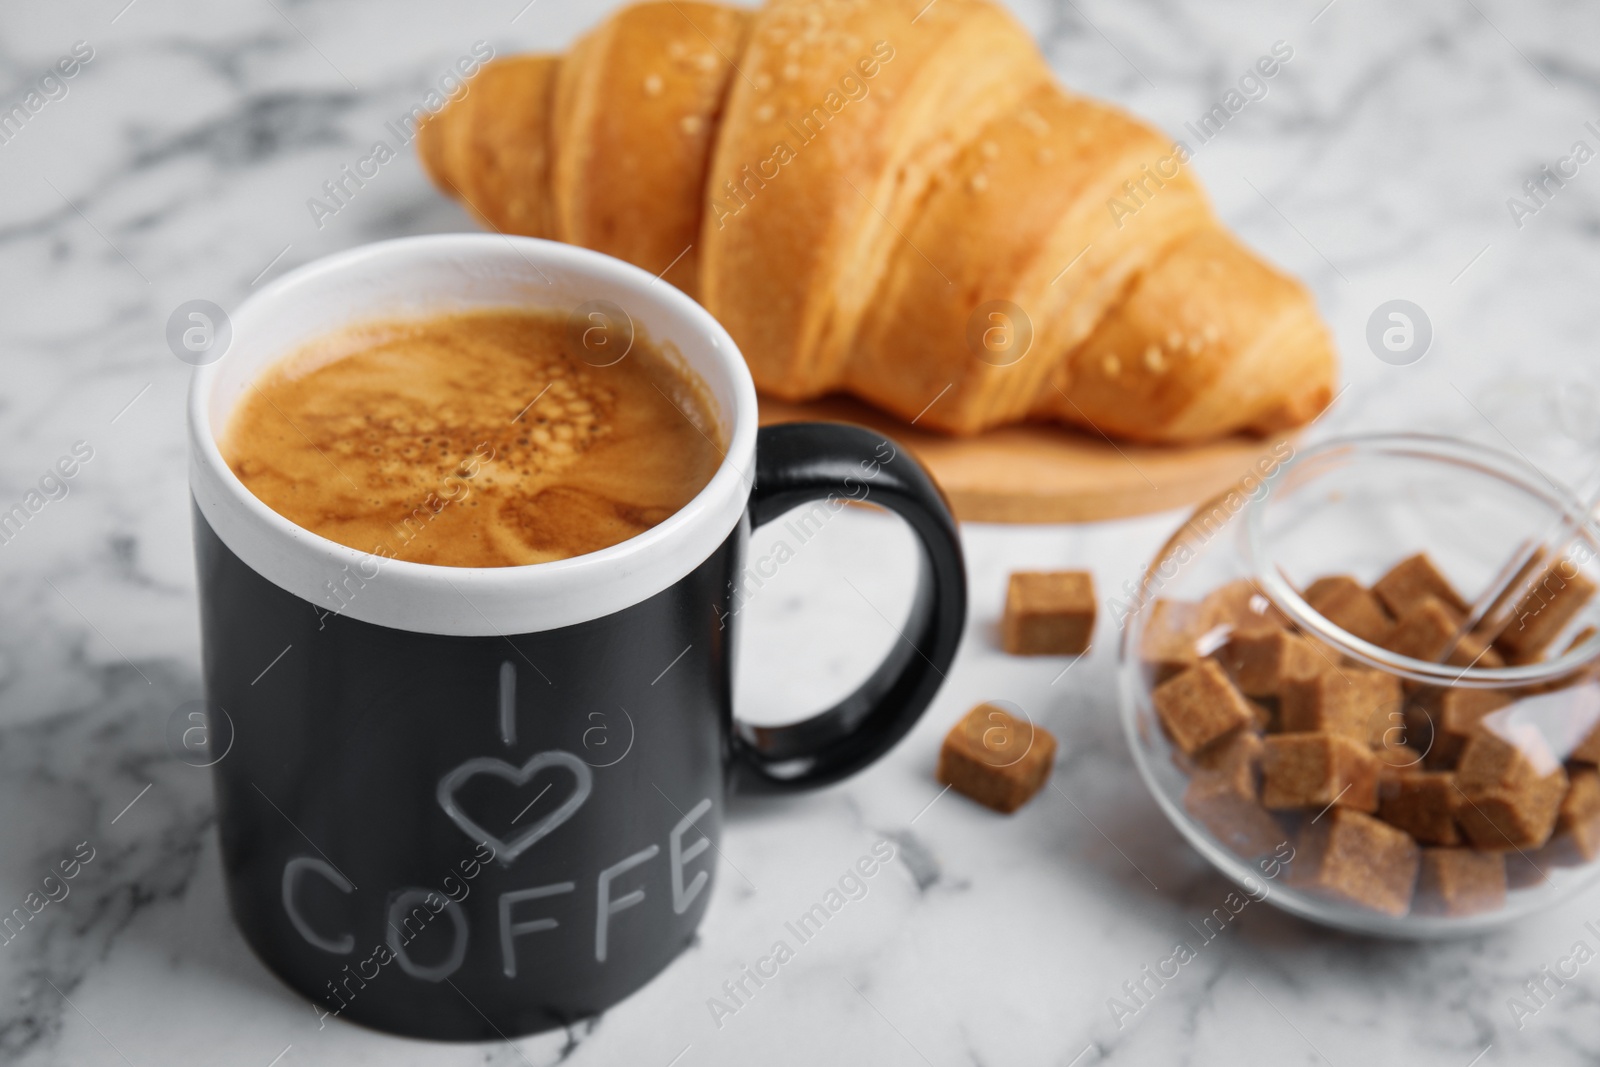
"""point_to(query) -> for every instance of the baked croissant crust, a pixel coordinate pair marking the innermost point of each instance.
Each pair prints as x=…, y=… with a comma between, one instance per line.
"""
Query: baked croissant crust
x=896, y=200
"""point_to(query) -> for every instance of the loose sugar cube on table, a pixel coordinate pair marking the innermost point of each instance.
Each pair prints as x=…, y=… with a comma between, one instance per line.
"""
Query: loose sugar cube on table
x=996, y=759
x=1049, y=613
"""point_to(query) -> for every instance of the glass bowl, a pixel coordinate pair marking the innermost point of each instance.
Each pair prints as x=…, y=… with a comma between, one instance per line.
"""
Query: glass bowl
x=1300, y=734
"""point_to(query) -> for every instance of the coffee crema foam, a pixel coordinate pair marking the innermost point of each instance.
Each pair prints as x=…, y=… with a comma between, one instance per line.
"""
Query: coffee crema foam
x=473, y=439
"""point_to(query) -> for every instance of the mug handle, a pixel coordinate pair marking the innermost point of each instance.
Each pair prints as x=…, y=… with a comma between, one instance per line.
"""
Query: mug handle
x=807, y=461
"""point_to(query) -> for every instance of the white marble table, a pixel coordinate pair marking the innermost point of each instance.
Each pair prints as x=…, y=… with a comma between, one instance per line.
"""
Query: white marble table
x=178, y=165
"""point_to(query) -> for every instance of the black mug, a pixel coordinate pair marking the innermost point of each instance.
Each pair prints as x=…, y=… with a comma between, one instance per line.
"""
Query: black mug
x=474, y=803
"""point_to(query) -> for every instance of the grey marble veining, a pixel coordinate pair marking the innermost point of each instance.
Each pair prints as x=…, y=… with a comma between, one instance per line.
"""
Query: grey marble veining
x=179, y=163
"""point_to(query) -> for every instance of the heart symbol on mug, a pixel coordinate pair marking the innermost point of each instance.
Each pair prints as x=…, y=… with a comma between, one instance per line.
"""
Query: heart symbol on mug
x=507, y=851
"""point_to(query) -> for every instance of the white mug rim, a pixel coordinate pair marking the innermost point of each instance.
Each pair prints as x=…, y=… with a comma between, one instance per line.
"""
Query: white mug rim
x=484, y=601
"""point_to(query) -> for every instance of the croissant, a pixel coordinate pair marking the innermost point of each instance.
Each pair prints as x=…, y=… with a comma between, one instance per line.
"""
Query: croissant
x=894, y=198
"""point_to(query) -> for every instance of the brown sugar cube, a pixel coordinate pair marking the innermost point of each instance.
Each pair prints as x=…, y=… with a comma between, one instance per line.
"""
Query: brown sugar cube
x=1347, y=604
x=1049, y=613
x=1222, y=796
x=1396, y=761
x=1452, y=717
x=1429, y=627
x=1424, y=631
x=1353, y=858
x=1472, y=650
x=1170, y=636
x=1317, y=703
x=1578, y=820
x=1501, y=609
x=1262, y=661
x=1410, y=581
x=1314, y=770
x=1586, y=674
x=1535, y=562
x=1382, y=696
x=1237, y=753
x=1510, y=790
x=1507, y=756
x=1405, y=737
x=1327, y=655
x=1241, y=606
x=1544, y=611
x=1576, y=839
x=996, y=759
x=1353, y=701
x=1199, y=705
x=1422, y=804
x=1460, y=881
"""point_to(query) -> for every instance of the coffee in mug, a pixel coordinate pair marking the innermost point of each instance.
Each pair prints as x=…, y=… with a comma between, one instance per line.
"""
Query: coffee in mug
x=486, y=438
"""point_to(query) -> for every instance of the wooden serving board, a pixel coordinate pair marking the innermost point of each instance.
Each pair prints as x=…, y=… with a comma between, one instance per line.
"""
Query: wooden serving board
x=1035, y=473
